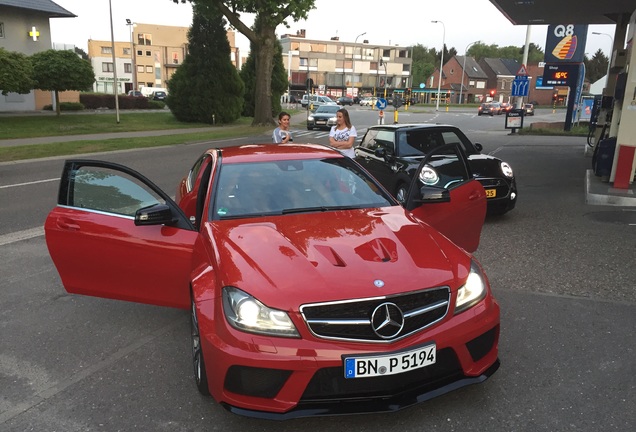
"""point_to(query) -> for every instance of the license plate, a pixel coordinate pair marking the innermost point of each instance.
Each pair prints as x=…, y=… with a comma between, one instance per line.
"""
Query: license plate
x=389, y=364
x=491, y=193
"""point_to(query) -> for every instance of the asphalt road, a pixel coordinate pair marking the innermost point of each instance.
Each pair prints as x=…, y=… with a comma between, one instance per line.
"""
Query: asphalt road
x=563, y=272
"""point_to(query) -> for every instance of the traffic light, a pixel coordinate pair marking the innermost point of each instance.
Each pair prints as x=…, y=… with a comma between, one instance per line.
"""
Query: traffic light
x=555, y=96
x=492, y=93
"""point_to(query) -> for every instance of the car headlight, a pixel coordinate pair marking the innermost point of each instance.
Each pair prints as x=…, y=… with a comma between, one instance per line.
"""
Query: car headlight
x=333, y=119
x=428, y=176
x=310, y=118
x=473, y=291
x=245, y=313
x=506, y=169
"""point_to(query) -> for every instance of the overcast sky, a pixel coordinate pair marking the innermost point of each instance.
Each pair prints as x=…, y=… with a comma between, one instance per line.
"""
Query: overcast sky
x=386, y=22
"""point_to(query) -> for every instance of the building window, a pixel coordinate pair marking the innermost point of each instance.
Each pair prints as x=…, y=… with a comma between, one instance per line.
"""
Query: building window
x=407, y=68
x=140, y=69
x=144, y=39
x=386, y=53
x=107, y=50
x=1, y=30
x=148, y=53
x=126, y=51
x=140, y=53
x=148, y=69
x=107, y=67
x=128, y=67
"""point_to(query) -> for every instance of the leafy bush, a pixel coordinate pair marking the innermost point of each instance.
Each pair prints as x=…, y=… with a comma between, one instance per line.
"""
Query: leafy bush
x=66, y=106
x=102, y=101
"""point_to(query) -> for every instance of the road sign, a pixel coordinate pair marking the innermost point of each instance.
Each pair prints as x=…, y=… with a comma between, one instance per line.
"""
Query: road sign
x=520, y=86
x=523, y=71
x=381, y=103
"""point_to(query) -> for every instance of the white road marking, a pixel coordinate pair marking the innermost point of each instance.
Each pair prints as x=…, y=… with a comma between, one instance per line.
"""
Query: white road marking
x=29, y=183
x=21, y=235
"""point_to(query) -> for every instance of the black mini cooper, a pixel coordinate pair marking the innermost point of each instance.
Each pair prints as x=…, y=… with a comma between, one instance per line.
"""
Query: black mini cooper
x=392, y=153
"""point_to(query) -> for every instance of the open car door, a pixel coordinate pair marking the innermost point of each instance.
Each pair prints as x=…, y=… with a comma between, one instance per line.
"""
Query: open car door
x=115, y=234
x=444, y=194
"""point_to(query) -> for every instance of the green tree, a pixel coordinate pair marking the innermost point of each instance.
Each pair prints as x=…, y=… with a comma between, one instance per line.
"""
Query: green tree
x=269, y=14
x=425, y=60
x=596, y=67
x=61, y=71
x=480, y=51
x=15, y=72
x=206, y=87
x=279, y=81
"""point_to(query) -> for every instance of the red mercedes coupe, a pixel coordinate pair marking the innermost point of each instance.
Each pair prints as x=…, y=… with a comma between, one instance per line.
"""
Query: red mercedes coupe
x=311, y=290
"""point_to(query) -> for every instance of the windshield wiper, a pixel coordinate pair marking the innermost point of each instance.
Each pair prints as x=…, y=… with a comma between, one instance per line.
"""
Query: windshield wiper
x=321, y=209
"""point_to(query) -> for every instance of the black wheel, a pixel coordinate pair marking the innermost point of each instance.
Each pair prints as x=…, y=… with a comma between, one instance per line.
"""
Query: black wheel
x=200, y=377
x=401, y=193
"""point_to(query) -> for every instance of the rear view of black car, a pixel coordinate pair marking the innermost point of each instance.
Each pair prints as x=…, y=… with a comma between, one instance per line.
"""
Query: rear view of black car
x=392, y=153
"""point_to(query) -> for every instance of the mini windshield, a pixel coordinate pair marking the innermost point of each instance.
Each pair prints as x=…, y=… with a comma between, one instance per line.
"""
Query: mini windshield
x=294, y=186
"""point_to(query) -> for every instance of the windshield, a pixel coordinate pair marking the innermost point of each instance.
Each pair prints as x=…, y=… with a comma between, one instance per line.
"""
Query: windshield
x=328, y=109
x=294, y=186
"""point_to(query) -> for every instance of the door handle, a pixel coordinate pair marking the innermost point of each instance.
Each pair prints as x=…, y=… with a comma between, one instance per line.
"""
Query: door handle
x=66, y=224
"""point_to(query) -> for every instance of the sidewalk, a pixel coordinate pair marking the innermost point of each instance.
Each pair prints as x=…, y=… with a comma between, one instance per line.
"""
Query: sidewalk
x=104, y=136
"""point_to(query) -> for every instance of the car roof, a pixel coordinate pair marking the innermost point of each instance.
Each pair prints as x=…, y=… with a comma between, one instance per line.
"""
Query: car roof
x=246, y=153
x=413, y=126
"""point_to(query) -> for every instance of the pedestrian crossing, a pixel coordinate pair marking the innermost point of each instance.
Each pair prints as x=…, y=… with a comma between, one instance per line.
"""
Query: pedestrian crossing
x=301, y=135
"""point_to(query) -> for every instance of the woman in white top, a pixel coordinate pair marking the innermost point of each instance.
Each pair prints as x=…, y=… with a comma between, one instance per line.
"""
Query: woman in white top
x=282, y=134
x=343, y=134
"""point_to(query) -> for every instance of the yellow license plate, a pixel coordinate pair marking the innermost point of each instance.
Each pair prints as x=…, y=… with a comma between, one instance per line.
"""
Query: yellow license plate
x=491, y=193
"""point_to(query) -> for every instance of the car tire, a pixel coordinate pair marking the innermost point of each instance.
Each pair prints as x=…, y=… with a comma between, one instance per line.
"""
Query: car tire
x=198, y=363
x=401, y=192
x=310, y=128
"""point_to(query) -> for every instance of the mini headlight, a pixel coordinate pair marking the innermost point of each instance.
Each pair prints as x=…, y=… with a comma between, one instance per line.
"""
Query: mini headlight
x=506, y=169
x=310, y=118
x=473, y=291
x=245, y=313
x=428, y=176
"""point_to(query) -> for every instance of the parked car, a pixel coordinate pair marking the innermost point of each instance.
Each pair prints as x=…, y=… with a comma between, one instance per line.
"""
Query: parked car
x=392, y=154
x=368, y=101
x=315, y=101
x=311, y=291
x=345, y=100
x=135, y=93
x=323, y=118
x=489, y=108
x=159, y=95
x=529, y=109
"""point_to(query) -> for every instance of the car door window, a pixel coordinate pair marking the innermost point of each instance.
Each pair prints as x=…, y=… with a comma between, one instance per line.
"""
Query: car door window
x=386, y=140
x=368, y=142
x=106, y=190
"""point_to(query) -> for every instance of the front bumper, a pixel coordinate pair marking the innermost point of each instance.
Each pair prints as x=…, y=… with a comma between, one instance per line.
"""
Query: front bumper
x=280, y=378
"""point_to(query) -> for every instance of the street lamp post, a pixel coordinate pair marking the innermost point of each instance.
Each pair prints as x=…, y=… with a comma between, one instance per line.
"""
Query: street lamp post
x=461, y=88
x=132, y=53
x=353, y=61
x=112, y=42
x=609, y=58
x=441, y=62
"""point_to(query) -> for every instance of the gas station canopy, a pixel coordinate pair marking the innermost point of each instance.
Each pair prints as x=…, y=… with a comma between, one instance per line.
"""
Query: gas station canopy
x=530, y=12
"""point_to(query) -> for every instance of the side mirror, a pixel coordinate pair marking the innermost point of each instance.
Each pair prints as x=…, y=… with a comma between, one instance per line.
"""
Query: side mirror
x=479, y=147
x=156, y=214
x=380, y=152
x=429, y=195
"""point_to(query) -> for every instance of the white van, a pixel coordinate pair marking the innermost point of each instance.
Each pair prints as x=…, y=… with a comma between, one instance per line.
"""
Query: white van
x=316, y=101
x=149, y=91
